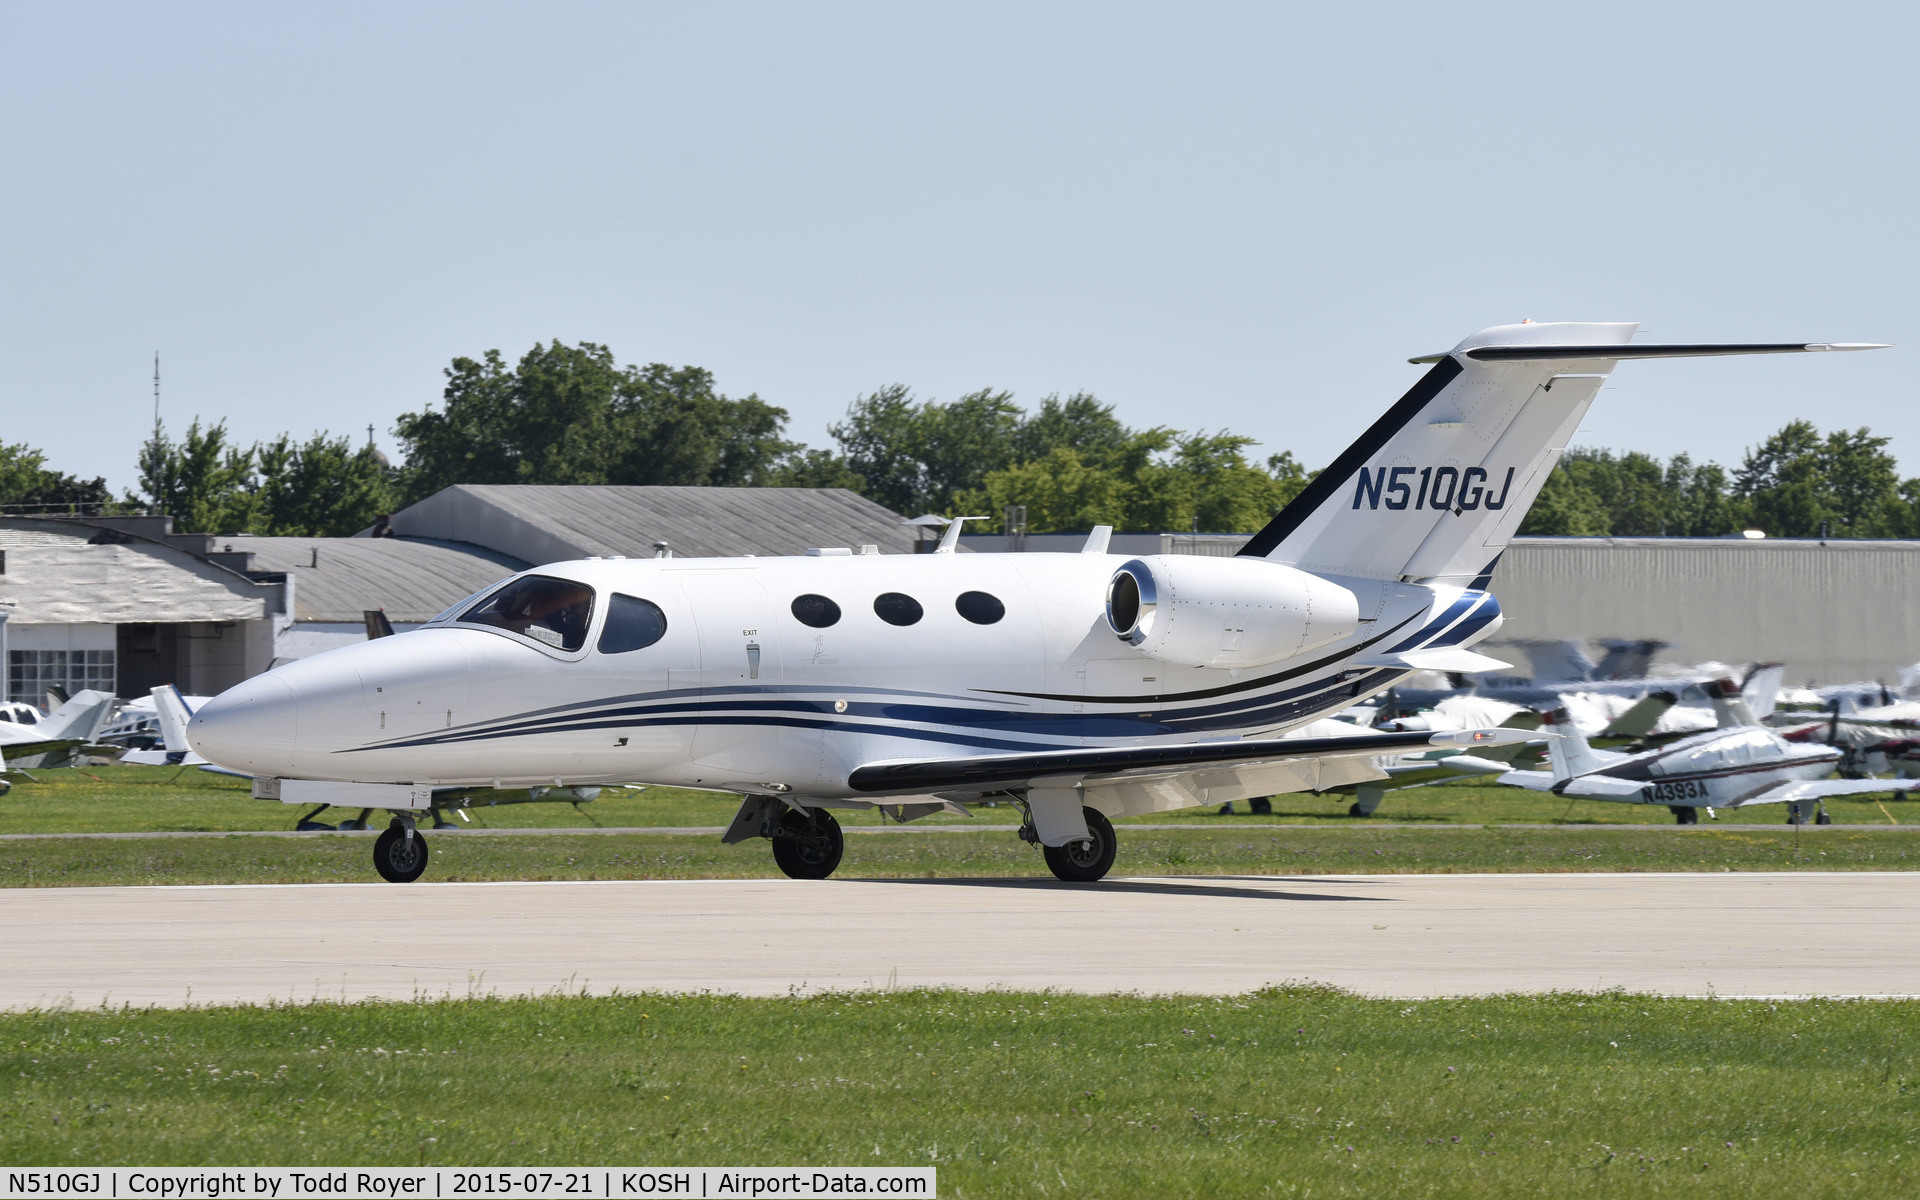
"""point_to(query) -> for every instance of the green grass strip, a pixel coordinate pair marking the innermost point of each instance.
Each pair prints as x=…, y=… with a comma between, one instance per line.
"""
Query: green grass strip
x=1284, y=1092
x=1229, y=850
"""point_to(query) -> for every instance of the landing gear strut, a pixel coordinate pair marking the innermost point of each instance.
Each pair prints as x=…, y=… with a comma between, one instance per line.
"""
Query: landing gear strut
x=400, y=854
x=808, y=845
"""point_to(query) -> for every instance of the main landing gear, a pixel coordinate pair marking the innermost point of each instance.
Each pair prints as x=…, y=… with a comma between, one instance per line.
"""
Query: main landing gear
x=808, y=845
x=1084, y=861
x=400, y=854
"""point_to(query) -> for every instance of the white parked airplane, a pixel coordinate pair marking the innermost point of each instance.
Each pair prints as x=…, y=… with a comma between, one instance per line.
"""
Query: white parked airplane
x=1734, y=767
x=50, y=741
x=171, y=713
x=1078, y=686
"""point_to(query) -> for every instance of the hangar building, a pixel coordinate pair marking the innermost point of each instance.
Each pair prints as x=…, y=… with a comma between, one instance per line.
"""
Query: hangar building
x=1833, y=612
x=124, y=603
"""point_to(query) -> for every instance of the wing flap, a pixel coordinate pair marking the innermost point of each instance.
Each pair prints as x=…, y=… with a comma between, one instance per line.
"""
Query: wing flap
x=993, y=772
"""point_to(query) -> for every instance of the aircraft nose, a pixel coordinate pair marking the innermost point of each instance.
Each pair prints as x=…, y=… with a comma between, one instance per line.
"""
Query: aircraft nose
x=250, y=727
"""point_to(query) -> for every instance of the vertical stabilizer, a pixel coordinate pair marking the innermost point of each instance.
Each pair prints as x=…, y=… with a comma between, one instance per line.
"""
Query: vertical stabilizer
x=1761, y=689
x=82, y=717
x=1435, y=489
x=174, y=715
x=1568, y=754
x=1730, y=708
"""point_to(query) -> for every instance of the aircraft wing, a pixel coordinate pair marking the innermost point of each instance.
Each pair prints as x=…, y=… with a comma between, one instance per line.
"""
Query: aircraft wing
x=1602, y=787
x=1001, y=771
x=1816, y=789
x=13, y=750
x=1539, y=781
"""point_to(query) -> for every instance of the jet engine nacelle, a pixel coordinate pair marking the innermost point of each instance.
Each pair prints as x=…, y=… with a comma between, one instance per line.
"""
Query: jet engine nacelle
x=1226, y=612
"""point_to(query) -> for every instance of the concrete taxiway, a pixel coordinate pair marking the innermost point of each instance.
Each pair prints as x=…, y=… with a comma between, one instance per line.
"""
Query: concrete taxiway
x=1769, y=934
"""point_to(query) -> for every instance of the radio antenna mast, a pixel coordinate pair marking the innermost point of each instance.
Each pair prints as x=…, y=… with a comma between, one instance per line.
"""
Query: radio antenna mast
x=156, y=387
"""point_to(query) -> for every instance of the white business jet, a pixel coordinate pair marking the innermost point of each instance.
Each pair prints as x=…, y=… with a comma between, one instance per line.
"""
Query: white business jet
x=1080, y=687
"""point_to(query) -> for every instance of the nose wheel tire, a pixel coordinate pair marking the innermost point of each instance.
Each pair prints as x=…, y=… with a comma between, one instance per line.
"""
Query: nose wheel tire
x=399, y=858
x=1088, y=861
x=808, y=845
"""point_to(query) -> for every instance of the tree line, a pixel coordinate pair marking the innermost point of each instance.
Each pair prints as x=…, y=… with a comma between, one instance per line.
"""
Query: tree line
x=572, y=415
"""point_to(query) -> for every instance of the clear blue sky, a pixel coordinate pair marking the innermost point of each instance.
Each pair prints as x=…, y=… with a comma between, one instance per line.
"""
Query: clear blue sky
x=1211, y=216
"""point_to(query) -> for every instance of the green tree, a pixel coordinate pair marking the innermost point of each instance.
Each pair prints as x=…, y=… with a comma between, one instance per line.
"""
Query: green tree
x=323, y=487
x=815, y=469
x=26, y=482
x=204, y=482
x=1797, y=483
x=568, y=414
x=671, y=427
x=917, y=456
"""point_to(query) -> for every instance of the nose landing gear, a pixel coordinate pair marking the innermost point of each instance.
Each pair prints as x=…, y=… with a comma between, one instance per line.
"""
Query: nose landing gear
x=400, y=854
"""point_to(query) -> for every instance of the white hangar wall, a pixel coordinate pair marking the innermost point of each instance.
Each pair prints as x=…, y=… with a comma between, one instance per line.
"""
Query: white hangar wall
x=1833, y=613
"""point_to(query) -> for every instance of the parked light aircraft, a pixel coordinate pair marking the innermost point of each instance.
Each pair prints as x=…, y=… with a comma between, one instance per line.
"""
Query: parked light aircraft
x=171, y=713
x=1742, y=763
x=1079, y=686
x=51, y=740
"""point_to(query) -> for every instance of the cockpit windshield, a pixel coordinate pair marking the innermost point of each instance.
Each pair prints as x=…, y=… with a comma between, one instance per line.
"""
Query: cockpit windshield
x=553, y=611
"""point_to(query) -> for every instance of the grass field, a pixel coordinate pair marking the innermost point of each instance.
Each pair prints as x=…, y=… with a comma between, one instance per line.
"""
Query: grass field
x=1283, y=1093
x=116, y=799
x=1426, y=833
x=1243, y=850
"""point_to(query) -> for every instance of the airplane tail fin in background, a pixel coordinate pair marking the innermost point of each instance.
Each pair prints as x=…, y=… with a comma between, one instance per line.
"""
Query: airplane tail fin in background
x=1435, y=489
x=1568, y=755
x=1761, y=689
x=174, y=715
x=1638, y=721
x=1729, y=705
x=82, y=717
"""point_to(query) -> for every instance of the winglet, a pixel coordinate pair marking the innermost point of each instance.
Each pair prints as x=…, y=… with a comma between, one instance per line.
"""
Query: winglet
x=1097, y=540
x=950, y=540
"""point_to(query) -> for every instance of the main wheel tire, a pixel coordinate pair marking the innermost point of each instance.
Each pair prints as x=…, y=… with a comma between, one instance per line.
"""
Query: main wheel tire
x=399, y=858
x=1088, y=861
x=808, y=845
x=1261, y=806
x=1684, y=815
x=1824, y=818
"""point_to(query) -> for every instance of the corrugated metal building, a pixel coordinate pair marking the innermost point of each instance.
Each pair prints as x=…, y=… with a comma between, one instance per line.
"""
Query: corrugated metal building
x=334, y=582
x=115, y=603
x=124, y=603
x=541, y=523
x=1833, y=612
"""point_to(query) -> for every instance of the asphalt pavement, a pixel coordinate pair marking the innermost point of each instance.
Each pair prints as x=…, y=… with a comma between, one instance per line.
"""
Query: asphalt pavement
x=1728, y=934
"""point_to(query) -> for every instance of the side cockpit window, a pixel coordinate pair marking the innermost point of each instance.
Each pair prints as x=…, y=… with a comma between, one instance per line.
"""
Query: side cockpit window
x=548, y=610
x=632, y=624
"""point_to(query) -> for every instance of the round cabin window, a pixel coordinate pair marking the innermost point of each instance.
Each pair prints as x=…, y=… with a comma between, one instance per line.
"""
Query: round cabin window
x=980, y=607
x=897, y=608
x=817, y=611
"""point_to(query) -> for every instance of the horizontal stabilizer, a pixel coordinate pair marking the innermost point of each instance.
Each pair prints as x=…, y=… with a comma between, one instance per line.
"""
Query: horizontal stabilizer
x=1697, y=350
x=1602, y=787
x=1456, y=659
